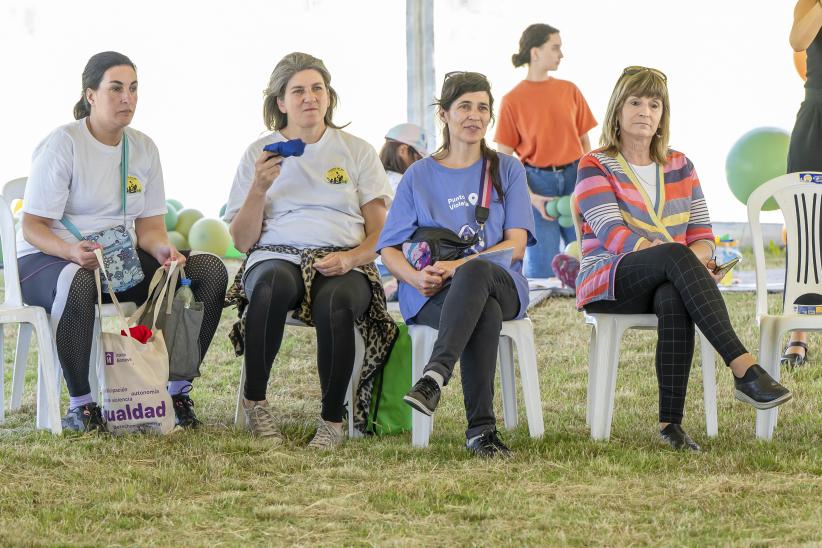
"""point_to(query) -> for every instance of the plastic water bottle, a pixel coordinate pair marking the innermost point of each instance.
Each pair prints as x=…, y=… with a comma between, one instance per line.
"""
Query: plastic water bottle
x=184, y=293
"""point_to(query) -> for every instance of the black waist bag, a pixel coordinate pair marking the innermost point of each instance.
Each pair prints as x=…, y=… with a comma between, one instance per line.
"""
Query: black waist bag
x=443, y=243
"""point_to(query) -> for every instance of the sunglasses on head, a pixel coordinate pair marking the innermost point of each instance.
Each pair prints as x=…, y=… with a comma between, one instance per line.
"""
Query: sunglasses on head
x=636, y=69
x=459, y=72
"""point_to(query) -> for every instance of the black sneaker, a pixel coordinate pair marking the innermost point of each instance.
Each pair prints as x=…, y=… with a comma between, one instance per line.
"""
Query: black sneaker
x=675, y=436
x=424, y=396
x=184, y=410
x=759, y=389
x=85, y=418
x=488, y=445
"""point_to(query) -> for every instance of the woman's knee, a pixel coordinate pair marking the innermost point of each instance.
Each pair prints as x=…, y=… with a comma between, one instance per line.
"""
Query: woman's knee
x=346, y=298
x=207, y=268
x=474, y=271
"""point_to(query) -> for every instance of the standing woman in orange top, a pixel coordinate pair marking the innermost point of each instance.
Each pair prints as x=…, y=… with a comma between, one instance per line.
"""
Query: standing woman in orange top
x=545, y=121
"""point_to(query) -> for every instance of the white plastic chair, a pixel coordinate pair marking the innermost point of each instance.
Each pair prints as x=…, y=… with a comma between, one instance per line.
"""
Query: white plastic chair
x=799, y=196
x=16, y=189
x=359, y=356
x=603, y=361
x=514, y=332
x=12, y=310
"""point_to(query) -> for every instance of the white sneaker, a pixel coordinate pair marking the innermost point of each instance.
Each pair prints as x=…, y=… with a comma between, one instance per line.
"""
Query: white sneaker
x=326, y=437
x=260, y=421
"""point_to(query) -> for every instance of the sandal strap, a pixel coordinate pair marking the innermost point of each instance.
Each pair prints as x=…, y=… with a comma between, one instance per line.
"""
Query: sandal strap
x=800, y=344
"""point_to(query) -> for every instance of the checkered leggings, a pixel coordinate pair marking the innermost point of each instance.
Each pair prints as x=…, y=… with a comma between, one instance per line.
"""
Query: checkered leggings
x=669, y=281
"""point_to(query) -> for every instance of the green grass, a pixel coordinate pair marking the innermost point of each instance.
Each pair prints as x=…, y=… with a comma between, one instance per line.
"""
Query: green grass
x=219, y=486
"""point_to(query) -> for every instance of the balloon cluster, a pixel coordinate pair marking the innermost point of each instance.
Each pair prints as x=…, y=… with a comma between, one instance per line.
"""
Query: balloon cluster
x=189, y=229
x=560, y=208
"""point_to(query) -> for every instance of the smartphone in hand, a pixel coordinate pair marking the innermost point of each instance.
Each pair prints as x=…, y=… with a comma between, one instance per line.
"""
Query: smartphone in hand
x=721, y=269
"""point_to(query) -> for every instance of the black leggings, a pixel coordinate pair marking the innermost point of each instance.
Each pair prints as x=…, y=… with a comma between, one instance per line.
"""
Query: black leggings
x=468, y=315
x=669, y=280
x=76, y=291
x=274, y=287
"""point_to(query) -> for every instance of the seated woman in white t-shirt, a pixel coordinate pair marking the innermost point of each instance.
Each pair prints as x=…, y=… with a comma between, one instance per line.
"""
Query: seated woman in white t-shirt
x=310, y=223
x=76, y=175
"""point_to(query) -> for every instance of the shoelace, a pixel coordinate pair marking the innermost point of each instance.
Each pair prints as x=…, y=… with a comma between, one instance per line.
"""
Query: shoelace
x=263, y=421
x=491, y=439
x=324, y=436
x=428, y=388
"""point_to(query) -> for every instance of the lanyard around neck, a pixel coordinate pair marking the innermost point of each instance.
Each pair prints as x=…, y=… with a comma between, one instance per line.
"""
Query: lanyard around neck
x=124, y=173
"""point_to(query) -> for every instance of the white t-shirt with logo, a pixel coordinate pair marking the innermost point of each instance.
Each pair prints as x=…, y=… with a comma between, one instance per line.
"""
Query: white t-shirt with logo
x=317, y=199
x=75, y=175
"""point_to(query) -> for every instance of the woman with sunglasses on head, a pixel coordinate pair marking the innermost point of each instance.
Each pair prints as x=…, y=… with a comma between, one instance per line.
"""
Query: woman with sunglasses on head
x=545, y=121
x=806, y=137
x=309, y=223
x=89, y=176
x=482, y=197
x=647, y=247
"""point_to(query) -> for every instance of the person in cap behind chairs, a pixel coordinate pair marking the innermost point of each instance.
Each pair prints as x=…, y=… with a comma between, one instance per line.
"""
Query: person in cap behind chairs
x=404, y=145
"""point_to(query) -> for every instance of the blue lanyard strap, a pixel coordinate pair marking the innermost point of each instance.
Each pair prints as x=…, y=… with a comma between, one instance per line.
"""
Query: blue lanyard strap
x=123, y=177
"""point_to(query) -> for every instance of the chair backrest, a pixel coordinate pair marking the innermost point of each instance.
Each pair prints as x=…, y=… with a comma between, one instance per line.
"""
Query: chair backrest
x=14, y=189
x=11, y=276
x=799, y=196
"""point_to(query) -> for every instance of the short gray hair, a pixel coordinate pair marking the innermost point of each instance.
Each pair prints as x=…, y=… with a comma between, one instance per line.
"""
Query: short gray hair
x=288, y=66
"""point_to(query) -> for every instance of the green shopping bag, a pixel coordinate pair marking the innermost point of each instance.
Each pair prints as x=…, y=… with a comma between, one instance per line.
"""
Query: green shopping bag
x=389, y=414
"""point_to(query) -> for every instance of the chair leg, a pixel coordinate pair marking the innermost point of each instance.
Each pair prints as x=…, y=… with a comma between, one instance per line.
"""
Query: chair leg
x=607, y=361
x=359, y=356
x=421, y=424
x=769, y=349
x=21, y=355
x=239, y=413
x=709, y=385
x=530, y=383
x=48, y=396
x=592, y=362
x=507, y=382
x=2, y=376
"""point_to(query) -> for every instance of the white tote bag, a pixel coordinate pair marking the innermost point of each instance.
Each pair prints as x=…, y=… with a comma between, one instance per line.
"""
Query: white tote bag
x=135, y=398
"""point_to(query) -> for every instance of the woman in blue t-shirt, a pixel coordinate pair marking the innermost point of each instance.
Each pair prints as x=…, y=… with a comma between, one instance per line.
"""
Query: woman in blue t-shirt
x=465, y=300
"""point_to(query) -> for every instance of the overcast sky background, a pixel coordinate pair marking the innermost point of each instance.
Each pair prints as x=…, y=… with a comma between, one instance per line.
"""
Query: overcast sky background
x=202, y=67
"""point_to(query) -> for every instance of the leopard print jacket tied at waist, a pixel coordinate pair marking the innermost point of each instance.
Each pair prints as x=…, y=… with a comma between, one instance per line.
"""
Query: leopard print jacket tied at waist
x=377, y=328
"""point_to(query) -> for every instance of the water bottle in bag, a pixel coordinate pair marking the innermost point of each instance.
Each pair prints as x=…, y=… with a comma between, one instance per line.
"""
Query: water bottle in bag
x=184, y=293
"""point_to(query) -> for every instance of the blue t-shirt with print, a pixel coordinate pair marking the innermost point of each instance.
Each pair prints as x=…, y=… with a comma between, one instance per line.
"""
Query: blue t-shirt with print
x=432, y=195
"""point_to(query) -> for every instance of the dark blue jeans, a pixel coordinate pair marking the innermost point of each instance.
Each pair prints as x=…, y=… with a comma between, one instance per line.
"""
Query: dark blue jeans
x=551, y=238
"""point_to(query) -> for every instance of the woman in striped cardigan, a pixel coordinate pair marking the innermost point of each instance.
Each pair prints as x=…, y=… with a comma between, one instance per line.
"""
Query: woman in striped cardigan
x=647, y=247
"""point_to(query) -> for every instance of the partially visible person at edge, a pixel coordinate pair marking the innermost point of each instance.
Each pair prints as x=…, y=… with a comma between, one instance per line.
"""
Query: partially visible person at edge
x=309, y=224
x=805, y=152
x=545, y=121
x=76, y=174
x=467, y=299
x=404, y=145
x=647, y=248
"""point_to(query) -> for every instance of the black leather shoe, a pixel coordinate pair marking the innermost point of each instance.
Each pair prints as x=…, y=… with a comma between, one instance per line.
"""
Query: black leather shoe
x=675, y=436
x=760, y=389
x=184, y=411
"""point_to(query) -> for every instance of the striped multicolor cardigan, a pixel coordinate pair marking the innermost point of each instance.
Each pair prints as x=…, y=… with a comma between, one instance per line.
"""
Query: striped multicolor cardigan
x=614, y=216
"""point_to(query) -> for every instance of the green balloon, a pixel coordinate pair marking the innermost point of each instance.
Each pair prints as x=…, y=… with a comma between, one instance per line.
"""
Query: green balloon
x=551, y=208
x=171, y=218
x=209, y=235
x=176, y=204
x=572, y=249
x=564, y=206
x=222, y=210
x=185, y=219
x=177, y=240
x=565, y=221
x=756, y=158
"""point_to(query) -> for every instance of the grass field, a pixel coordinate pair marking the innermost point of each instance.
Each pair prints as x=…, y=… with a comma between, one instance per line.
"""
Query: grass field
x=218, y=486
